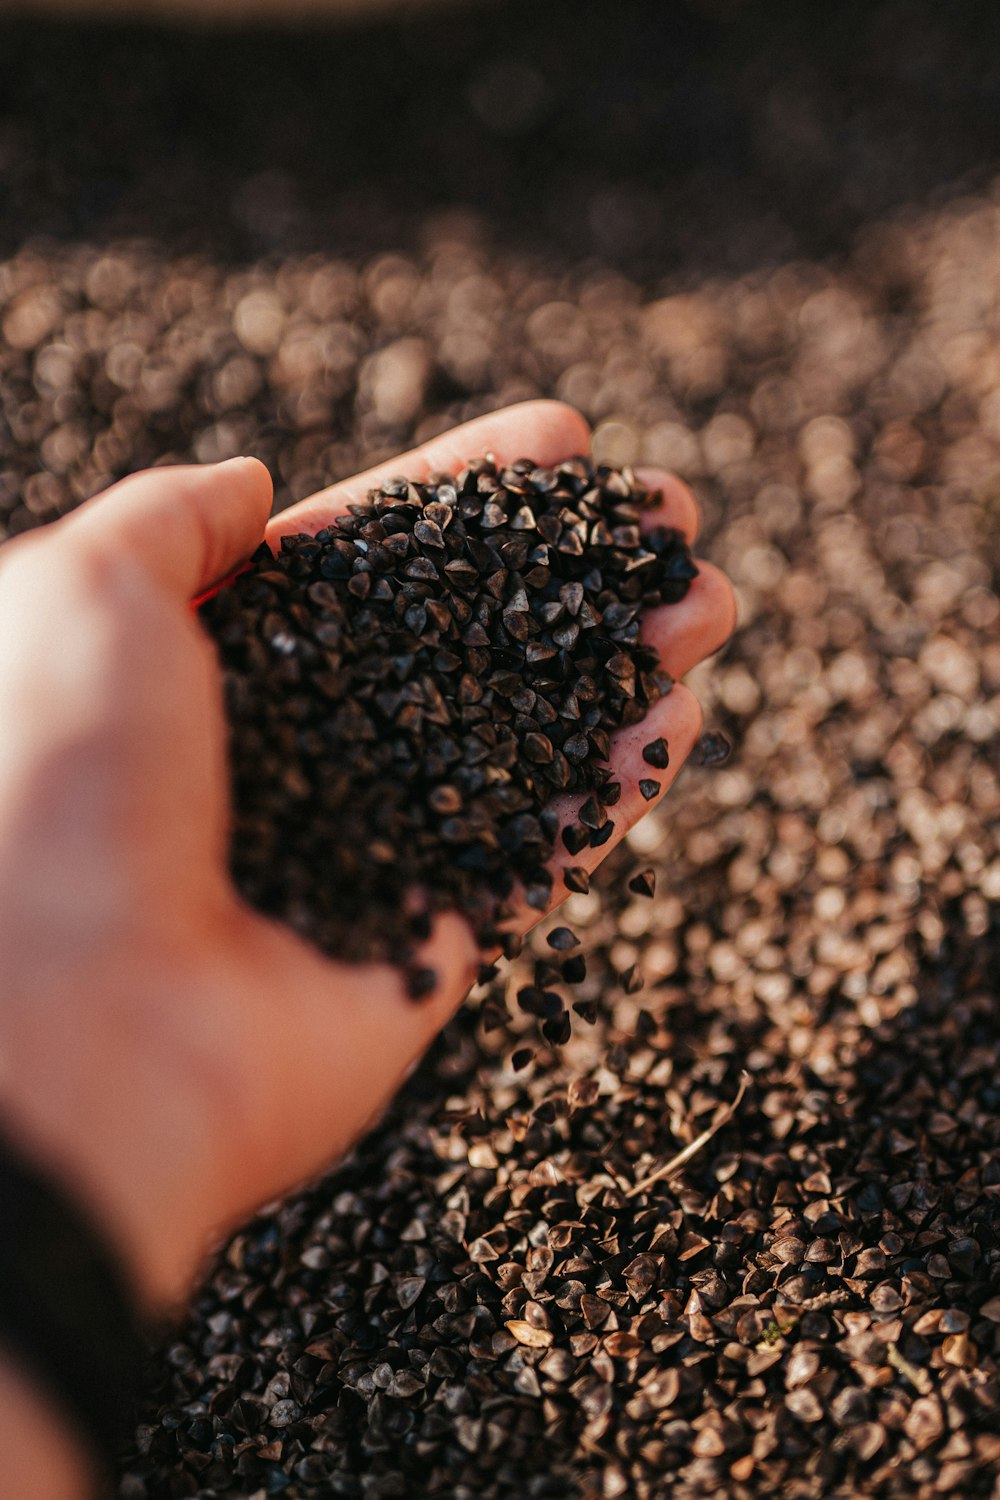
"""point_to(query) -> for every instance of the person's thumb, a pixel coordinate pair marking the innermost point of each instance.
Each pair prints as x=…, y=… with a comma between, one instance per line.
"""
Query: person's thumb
x=186, y=527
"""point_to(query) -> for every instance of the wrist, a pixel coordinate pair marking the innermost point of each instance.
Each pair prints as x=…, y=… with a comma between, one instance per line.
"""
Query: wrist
x=112, y=1086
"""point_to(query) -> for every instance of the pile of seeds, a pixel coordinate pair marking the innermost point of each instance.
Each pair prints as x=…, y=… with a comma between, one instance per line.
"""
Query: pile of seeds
x=518, y=1294
x=409, y=689
x=755, y=243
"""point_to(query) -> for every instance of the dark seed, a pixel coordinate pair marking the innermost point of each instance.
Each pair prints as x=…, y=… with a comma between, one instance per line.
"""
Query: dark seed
x=712, y=749
x=537, y=895
x=576, y=748
x=643, y=884
x=538, y=748
x=656, y=753
x=575, y=837
x=557, y=1030
x=591, y=814
x=649, y=788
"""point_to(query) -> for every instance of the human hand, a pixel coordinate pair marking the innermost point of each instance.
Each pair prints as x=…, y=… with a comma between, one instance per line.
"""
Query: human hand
x=175, y=1056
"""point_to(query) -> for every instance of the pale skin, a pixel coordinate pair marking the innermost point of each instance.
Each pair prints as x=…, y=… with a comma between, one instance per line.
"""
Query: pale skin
x=174, y=1058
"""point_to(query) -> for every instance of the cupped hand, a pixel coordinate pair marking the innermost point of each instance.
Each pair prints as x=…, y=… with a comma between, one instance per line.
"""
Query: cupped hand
x=175, y=1056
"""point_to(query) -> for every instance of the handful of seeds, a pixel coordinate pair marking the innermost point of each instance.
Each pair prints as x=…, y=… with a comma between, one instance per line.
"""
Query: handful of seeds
x=409, y=689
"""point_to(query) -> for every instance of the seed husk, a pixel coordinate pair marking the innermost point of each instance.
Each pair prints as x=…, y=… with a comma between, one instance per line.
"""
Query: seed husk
x=644, y=884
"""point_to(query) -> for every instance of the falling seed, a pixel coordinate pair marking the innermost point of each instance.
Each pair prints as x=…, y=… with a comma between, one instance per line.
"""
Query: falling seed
x=643, y=884
x=494, y=1017
x=556, y=1030
x=576, y=879
x=562, y=939
x=656, y=753
x=711, y=749
x=574, y=970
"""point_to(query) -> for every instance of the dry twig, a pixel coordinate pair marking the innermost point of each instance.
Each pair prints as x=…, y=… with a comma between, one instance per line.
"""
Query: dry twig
x=683, y=1157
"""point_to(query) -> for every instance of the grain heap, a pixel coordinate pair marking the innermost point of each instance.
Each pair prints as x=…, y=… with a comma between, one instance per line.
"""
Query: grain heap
x=409, y=689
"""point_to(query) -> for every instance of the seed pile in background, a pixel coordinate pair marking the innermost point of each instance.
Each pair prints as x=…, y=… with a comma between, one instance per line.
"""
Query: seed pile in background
x=410, y=689
x=765, y=255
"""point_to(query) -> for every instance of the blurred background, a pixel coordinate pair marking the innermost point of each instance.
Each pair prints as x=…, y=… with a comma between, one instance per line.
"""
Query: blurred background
x=324, y=242
x=232, y=13
x=758, y=243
